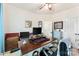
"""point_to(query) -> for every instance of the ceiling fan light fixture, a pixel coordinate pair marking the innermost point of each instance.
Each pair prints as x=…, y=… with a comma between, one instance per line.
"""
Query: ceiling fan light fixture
x=46, y=7
x=50, y=6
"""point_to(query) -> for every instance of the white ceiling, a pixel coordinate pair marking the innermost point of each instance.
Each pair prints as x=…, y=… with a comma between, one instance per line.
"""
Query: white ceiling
x=35, y=7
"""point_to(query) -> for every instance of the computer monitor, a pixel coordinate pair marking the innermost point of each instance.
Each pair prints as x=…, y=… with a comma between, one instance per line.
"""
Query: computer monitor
x=24, y=34
x=37, y=30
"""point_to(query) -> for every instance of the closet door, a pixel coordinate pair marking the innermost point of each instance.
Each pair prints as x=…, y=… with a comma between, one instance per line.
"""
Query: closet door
x=71, y=29
x=77, y=33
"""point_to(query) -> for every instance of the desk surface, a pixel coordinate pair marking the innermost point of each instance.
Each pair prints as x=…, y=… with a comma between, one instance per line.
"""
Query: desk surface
x=30, y=47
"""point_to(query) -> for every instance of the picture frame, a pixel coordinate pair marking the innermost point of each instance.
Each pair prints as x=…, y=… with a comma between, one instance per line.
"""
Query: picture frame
x=39, y=23
x=58, y=25
x=28, y=24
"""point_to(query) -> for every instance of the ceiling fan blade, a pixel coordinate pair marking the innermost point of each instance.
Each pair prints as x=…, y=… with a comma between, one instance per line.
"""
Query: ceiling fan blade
x=47, y=5
x=42, y=6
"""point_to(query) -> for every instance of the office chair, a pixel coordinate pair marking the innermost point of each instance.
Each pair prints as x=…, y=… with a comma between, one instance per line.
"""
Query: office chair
x=64, y=47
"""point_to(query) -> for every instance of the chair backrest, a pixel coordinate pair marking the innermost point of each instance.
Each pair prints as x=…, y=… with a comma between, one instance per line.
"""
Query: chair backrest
x=63, y=49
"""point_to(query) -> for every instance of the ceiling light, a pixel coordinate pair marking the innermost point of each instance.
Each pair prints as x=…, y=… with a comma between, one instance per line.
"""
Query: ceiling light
x=46, y=6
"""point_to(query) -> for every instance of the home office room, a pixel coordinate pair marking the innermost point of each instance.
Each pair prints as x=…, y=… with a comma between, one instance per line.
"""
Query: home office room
x=41, y=29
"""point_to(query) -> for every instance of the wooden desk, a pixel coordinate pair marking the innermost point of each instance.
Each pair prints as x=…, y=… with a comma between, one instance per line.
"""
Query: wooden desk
x=30, y=47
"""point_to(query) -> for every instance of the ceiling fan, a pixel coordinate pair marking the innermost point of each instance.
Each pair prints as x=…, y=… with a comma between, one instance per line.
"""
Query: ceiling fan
x=46, y=6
